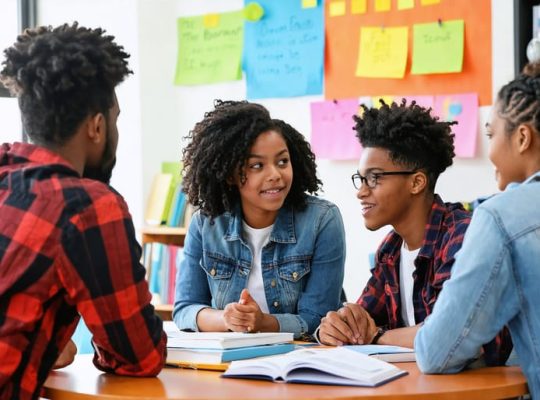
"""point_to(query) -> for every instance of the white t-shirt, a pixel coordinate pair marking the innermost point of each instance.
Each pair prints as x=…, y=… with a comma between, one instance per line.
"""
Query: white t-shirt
x=406, y=284
x=257, y=239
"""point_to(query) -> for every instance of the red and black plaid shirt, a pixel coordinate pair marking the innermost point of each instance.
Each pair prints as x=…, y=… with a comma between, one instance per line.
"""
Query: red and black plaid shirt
x=443, y=238
x=68, y=248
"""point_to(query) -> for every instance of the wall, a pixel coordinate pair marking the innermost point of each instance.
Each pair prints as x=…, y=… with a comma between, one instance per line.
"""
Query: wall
x=156, y=114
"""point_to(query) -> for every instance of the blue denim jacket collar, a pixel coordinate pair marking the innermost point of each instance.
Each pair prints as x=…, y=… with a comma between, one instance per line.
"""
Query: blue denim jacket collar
x=283, y=231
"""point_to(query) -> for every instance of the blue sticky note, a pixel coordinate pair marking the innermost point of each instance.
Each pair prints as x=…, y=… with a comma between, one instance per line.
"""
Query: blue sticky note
x=284, y=50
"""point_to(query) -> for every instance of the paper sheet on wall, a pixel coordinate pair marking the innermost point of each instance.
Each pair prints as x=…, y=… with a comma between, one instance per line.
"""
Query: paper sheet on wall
x=438, y=47
x=423, y=101
x=383, y=52
x=462, y=108
x=382, y=5
x=284, y=51
x=209, y=48
x=405, y=4
x=332, y=134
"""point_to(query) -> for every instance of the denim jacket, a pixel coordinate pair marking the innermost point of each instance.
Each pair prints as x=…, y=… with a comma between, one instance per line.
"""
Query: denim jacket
x=302, y=266
x=494, y=282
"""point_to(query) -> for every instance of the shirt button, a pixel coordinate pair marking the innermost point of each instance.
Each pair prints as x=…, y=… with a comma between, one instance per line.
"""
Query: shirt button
x=295, y=275
x=213, y=271
x=276, y=303
x=273, y=283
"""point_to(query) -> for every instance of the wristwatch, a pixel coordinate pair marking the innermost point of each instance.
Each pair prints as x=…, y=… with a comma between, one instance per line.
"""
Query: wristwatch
x=380, y=331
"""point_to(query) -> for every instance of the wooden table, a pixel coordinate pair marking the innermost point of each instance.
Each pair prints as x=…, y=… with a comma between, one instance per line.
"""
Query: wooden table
x=82, y=381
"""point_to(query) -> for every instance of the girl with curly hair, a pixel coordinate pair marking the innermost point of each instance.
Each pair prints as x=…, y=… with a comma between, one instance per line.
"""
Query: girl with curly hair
x=261, y=254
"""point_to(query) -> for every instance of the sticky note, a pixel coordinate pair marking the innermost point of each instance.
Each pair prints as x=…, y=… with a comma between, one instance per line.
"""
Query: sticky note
x=358, y=6
x=429, y=2
x=211, y=20
x=382, y=5
x=309, y=3
x=405, y=4
x=383, y=52
x=337, y=8
x=253, y=11
x=438, y=47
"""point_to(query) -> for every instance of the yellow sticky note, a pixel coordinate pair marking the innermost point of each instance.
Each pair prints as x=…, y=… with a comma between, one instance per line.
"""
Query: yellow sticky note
x=337, y=8
x=376, y=100
x=211, y=20
x=429, y=2
x=309, y=3
x=358, y=6
x=405, y=4
x=382, y=5
x=383, y=52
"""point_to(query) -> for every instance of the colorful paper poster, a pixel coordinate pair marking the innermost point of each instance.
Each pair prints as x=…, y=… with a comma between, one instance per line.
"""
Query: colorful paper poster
x=383, y=52
x=382, y=5
x=209, y=48
x=438, y=47
x=332, y=129
x=462, y=108
x=429, y=2
x=405, y=4
x=284, y=51
x=358, y=6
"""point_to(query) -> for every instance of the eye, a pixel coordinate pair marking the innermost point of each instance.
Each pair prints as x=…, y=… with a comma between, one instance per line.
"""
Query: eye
x=257, y=165
x=489, y=135
x=283, y=162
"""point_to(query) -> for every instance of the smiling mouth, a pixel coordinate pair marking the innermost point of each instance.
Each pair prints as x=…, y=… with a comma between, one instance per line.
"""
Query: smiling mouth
x=367, y=207
x=272, y=191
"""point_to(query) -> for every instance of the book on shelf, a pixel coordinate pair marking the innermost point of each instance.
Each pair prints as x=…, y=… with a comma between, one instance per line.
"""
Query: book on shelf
x=336, y=366
x=385, y=353
x=221, y=340
x=200, y=358
x=159, y=199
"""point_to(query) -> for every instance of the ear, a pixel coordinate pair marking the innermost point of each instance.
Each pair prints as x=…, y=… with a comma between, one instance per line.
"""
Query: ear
x=524, y=137
x=419, y=182
x=97, y=128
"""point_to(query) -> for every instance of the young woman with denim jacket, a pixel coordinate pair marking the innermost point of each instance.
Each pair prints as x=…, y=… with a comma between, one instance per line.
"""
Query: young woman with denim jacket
x=495, y=277
x=260, y=254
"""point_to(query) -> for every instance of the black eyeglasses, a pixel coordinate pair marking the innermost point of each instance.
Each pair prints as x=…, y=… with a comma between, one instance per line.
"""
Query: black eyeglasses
x=372, y=178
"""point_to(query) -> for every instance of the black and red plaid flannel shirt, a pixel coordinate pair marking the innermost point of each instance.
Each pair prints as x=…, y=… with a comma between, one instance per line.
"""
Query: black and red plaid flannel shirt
x=443, y=238
x=68, y=248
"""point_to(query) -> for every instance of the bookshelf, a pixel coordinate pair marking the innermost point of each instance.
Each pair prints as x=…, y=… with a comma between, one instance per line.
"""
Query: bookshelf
x=166, y=235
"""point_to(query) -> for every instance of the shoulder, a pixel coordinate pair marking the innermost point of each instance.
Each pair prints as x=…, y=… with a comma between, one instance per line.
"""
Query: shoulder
x=316, y=204
x=455, y=216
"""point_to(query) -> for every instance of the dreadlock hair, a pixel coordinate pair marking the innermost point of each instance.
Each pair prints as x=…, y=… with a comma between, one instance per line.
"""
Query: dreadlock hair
x=412, y=136
x=60, y=76
x=219, y=148
x=519, y=100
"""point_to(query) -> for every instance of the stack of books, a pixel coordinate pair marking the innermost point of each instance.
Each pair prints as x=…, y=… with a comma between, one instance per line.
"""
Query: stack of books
x=214, y=350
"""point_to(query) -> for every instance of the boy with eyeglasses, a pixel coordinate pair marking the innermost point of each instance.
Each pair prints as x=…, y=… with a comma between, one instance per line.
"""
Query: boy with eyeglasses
x=405, y=151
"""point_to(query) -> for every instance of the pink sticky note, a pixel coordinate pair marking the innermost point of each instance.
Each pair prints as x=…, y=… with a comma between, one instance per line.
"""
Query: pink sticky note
x=462, y=108
x=332, y=133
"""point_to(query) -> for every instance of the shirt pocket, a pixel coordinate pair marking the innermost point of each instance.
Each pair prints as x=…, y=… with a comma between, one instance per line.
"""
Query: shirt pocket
x=219, y=273
x=293, y=275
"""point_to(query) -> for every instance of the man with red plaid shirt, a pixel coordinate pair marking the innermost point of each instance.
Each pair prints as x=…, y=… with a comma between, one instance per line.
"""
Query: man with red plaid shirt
x=67, y=242
x=405, y=150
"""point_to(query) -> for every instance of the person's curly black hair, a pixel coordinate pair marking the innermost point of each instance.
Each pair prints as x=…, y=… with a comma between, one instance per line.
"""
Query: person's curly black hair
x=219, y=147
x=412, y=136
x=61, y=75
x=519, y=100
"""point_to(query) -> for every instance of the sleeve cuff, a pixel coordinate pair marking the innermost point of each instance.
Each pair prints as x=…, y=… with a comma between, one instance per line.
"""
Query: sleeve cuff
x=292, y=323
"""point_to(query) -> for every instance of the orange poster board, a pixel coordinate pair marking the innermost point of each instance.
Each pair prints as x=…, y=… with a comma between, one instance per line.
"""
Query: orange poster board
x=342, y=45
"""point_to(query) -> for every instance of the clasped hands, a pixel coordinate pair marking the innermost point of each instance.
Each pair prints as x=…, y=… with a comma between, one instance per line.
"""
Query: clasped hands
x=243, y=316
x=351, y=324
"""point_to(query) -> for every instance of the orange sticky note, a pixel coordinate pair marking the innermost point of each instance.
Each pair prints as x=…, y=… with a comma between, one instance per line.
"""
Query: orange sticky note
x=429, y=2
x=358, y=6
x=382, y=5
x=309, y=3
x=211, y=20
x=337, y=8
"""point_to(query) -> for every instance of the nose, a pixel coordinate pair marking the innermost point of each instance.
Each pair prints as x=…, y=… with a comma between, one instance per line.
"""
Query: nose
x=274, y=174
x=363, y=191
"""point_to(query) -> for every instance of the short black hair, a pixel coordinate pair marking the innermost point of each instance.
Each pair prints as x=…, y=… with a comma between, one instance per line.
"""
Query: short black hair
x=413, y=137
x=61, y=75
x=219, y=147
x=519, y=100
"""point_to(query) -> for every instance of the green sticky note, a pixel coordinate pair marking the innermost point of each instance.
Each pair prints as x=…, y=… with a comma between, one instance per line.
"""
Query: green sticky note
x=405, y=4
x=209, y=48
x=253, y=12
x=438, y=47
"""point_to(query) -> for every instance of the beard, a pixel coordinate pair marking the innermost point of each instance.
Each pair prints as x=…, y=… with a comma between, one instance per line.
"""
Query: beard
x=102, y=172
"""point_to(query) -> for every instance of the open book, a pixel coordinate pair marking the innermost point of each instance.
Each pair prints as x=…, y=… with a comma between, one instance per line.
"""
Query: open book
x=336, y=366
x=385, y=353
x=220, y=340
